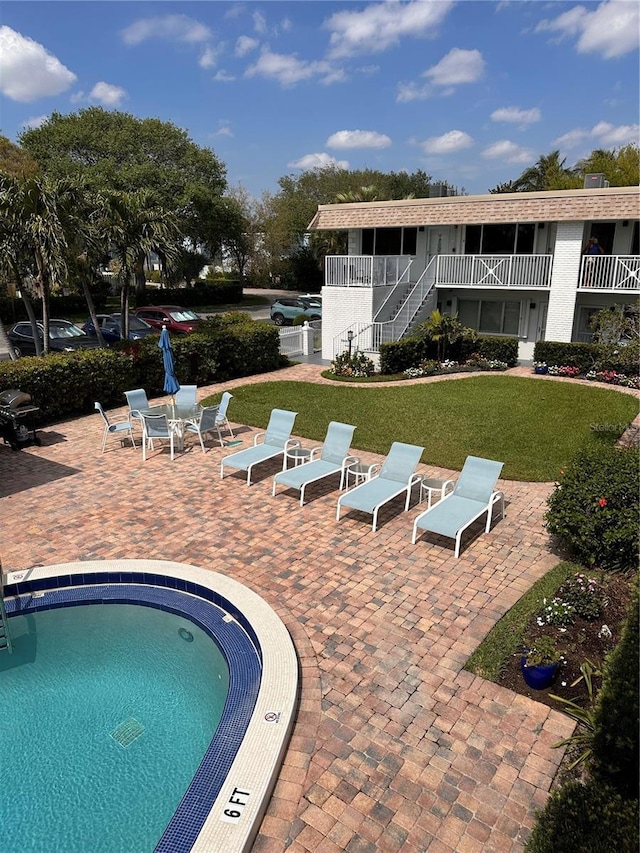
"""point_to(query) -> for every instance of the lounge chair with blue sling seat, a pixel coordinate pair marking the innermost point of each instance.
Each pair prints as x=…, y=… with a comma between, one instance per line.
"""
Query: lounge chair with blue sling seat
x=266, y=445
x=396, y=476
x=473, y=495
x=333, y=459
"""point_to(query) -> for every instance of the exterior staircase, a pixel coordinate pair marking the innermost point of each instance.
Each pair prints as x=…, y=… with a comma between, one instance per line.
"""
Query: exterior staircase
x=408, y=305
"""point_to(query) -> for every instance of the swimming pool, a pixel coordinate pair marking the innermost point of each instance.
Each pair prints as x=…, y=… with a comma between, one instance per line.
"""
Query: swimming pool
x=226, y=798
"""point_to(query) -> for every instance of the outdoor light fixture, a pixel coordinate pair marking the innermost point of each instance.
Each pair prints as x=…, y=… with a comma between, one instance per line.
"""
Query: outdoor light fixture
x=350, y=340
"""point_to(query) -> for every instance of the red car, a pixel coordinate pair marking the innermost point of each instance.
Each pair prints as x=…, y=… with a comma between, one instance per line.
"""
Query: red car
x=175, y=318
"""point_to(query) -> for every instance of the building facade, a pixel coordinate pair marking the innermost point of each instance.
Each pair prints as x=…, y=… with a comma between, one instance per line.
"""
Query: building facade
x=508, y=264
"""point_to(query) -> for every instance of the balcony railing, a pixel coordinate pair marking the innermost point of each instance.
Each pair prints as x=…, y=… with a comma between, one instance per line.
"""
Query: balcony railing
x=366, y=270
x=610, y=272
x=518, y=271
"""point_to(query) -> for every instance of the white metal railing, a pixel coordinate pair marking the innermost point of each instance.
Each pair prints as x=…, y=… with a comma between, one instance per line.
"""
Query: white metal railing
x=366, y=337
x=415, y=300
x=494, y=270
x=610, y=272
x=366, y=270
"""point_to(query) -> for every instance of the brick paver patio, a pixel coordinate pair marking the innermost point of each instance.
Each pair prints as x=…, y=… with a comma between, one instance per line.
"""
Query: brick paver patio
x=395, y=747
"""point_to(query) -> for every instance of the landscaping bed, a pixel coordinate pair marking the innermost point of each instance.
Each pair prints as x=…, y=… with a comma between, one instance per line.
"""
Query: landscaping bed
x=583, y=640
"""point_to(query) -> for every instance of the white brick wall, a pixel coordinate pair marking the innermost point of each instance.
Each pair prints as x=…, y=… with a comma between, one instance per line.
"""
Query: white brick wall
x=564, y=281
x=342, y=306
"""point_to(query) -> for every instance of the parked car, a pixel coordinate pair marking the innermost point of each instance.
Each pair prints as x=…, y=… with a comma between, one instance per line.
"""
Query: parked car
x=110, y=327
x=285, y=310
x=176, y=319
x=64, y=336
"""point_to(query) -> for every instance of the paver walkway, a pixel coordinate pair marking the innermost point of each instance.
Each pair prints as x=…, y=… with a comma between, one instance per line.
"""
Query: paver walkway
x=395, y=748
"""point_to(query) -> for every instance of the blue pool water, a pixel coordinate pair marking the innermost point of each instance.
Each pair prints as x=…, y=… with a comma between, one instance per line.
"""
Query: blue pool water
x=78, y=676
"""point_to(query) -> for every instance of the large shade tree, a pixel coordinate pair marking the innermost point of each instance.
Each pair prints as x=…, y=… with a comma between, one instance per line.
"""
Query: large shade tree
x=116, y=151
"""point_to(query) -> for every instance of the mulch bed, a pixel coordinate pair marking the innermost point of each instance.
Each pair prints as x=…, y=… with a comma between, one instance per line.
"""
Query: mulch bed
x=580, y=642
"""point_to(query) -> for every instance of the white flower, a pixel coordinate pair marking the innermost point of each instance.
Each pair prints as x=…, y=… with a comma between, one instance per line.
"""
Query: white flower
x=605, y=633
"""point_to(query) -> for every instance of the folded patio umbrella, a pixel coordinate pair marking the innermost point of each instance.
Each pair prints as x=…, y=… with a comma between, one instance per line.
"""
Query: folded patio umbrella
x=171, y=384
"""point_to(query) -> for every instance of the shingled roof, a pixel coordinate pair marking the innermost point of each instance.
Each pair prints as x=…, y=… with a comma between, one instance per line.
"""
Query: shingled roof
x=553, y=206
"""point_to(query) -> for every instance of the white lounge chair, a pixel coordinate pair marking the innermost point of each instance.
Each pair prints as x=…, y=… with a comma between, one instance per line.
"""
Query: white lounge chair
x=267, y=445
x=397, y=475
x=472, y=496
x=334, y=459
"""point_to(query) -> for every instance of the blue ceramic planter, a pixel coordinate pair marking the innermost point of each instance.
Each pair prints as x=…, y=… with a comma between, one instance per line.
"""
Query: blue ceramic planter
x=541, y=369
x=538, y=677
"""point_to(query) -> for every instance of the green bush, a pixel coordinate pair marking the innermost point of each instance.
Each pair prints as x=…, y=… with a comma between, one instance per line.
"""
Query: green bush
x=203, y=293
x=594, y=508
x=622, y=359
x=398, y=356
x=352, y=365
x=60, y=307
x=589, y=818
x=68, y=384
x=615, y=744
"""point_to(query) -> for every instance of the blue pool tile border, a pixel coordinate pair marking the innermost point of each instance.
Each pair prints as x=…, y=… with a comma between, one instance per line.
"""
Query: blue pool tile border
x=236, y=639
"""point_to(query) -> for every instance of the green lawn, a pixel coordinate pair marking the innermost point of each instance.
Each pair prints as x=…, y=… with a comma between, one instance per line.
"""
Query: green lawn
x=533, y=426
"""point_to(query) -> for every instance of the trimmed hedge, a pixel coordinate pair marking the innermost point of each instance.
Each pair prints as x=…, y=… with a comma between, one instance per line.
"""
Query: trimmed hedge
x=616, y=756
x=396, y=357
x=586, y=357
x=590, y=818
x=203, y=293
x=65, y=385
x=60, y=307
x=595, y=506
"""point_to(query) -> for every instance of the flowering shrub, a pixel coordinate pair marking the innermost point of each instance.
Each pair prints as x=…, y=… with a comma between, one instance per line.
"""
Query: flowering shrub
x=425, y=368
x=583, y=594
x=494, y=364
x=557, y=612
x=448, y=365
x=613, y=378
x=564, y=370
x=595, y=506
x=356, y=365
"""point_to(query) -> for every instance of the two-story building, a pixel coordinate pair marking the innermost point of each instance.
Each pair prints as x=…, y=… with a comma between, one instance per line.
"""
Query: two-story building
x=508, y=264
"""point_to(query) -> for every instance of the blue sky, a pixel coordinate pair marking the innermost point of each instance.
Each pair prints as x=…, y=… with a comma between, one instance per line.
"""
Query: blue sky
x=471, y=92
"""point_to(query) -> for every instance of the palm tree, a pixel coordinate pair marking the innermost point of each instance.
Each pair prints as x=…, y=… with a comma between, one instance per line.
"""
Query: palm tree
x=37, y=215
x=133, y=227
x=361, y=194
x=548, y=173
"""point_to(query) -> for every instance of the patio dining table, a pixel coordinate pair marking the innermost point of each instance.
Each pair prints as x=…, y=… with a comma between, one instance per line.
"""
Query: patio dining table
x=178, y=416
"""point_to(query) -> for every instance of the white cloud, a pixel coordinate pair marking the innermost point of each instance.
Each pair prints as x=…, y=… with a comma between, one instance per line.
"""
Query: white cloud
x=611, y=30
x=458, y=66
x=209, y=57
x=514, y=115
x=28, y=71
x=381, y=25
x=612, y=136
x=602, y=135
x=259, y=23
x=36, y=121
x=245, y=44
x=223, y=76
x=344, y=139
x=286, y=25
x=288, y=70
x=318, y=161
x=571, y=139
x=224, y=130
x=448, y=143
x=106, y=94
x=168, y=28
x=508, y=151
x=412, y=92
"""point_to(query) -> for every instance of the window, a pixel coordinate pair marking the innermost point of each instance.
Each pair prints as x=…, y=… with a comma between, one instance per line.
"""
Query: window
x=389, y=241
x=490, y=317
x=500, y=239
